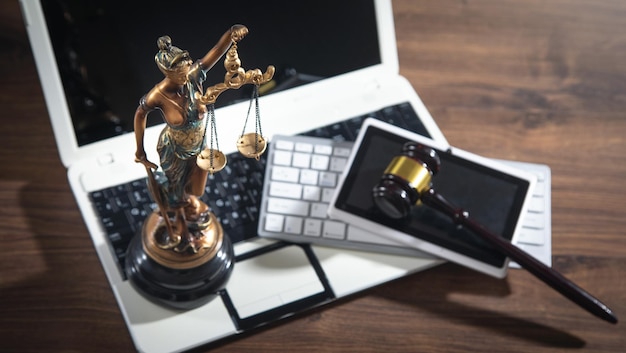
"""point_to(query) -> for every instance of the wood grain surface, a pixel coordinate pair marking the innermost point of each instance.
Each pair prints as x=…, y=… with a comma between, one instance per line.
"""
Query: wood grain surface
x=536, y=81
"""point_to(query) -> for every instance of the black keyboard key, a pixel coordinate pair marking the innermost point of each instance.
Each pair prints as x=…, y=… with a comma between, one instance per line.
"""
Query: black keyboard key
x=354, y=125
x=122, y=202
x=339, y=132
x=236, y=200
x=103, y=207
x=115, y=221
x=253, y=212
x=412, y=121
x=391, y=116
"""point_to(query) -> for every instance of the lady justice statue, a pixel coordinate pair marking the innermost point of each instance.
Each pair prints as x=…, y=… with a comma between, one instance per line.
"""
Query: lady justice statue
x=182, y=256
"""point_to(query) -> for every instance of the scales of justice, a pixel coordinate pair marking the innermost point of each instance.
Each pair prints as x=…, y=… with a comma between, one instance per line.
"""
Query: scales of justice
x=182, y=257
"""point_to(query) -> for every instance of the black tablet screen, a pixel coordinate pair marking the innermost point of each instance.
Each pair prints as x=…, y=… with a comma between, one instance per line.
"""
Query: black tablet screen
x=492, y=198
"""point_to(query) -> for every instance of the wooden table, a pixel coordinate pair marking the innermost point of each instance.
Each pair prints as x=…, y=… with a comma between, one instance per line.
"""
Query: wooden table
x=535, y=81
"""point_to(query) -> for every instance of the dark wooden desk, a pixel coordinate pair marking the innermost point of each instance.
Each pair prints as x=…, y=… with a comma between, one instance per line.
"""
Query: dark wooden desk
x=535, y=81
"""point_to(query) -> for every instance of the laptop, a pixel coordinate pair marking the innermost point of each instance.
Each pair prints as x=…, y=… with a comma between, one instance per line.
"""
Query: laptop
x=334, y=60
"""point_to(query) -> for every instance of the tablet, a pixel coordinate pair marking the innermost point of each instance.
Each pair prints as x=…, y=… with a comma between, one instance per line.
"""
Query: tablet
x=494, y=194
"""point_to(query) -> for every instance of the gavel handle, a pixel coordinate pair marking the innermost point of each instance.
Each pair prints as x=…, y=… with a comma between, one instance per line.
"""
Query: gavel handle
x=548, y=275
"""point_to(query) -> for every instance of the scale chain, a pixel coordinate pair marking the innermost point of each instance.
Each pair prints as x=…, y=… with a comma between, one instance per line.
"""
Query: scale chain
x=213, y=135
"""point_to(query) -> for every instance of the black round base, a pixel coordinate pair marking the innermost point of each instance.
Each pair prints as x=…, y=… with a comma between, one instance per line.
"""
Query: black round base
x=178, y=288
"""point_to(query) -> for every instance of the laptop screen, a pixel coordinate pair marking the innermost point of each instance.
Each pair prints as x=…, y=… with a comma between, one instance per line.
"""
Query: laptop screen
x=105, y=52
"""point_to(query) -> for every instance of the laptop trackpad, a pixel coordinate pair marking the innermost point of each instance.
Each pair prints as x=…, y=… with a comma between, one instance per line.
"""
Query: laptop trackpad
x=272, y=280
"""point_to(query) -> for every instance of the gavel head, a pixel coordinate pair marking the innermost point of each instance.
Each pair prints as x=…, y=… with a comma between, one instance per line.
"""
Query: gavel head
x=406, y=177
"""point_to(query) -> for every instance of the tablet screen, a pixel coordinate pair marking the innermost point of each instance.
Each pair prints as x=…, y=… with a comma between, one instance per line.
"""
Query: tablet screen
x=492, y=198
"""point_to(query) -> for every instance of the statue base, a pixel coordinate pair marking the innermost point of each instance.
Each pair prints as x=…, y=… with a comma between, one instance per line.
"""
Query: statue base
x=180, y=277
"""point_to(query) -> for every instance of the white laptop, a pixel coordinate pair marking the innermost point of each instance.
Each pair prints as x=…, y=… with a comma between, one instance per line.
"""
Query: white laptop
x=335, y=60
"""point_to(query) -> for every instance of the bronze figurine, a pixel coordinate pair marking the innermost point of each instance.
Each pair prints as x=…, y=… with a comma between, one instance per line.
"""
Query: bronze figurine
x=183, y=233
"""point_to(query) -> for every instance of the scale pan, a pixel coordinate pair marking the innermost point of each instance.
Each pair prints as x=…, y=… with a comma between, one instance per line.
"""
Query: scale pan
x=251, y=145
x=211, y=160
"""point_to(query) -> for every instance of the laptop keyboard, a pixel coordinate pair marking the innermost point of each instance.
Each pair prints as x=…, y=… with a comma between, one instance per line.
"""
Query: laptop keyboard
x=234, y=194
